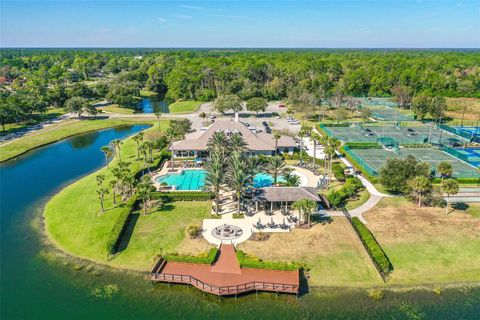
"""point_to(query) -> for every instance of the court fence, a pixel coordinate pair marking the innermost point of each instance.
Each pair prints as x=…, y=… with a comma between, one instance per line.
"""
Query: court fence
x=361, y=163
x=458, y=132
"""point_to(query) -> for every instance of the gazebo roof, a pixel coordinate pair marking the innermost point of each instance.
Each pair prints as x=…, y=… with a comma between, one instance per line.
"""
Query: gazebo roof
x=290, y=194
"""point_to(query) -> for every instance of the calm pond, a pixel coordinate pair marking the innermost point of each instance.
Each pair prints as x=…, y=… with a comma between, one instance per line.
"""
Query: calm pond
x=154, y=104
x=35, y=285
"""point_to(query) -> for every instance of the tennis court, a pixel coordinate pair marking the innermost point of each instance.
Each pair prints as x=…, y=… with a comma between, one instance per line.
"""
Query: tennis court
x=390, y=114
x=416, y=134
x=372, y=102
x=470, y=155
x=473, y=131
x=376, y=158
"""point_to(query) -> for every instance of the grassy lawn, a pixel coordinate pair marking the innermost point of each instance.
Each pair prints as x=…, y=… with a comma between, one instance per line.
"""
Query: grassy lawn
x=148, y=93
x=331, y=251
x=51, y=113
x=184, y=106
x=114, y=108
x=11, y=149
x=164, y=231
x=424, y=245
x=363, y=197
x=72, y=217
x=455, y=108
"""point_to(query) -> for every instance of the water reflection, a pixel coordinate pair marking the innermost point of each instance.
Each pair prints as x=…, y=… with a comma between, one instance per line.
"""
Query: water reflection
x=154, y=104
x=85, y=140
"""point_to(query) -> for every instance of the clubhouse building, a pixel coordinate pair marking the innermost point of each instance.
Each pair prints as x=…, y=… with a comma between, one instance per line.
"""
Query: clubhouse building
x=258, y=143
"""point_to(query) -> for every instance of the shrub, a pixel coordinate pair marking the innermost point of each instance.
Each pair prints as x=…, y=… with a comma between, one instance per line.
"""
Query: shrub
x=373, y=248
x=338, y=172
x=375, y=294
x=363, y=145
x=249, y=261
x=203, y=258
x=335, y=198
x=193, y=231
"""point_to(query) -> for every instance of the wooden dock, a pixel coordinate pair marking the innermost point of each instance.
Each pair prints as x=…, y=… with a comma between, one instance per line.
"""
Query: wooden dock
x=225, y=277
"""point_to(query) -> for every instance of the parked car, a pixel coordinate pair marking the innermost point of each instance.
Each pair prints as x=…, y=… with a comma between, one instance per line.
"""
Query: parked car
x=264, y=123
x=268, y=130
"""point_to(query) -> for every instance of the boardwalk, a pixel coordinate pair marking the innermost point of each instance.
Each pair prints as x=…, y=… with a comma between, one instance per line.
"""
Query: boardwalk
x=225, y=277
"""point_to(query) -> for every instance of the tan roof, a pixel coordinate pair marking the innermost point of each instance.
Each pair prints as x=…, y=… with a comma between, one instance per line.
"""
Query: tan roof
x=290, y=194
x=256, y=142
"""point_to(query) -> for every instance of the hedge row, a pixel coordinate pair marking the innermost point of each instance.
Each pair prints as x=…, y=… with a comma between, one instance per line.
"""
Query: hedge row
x=203, y=258
x=473, y=181
x=249, y=261
x=183, y=196
x=363, y=145
x=376, y=252
x=118, y=228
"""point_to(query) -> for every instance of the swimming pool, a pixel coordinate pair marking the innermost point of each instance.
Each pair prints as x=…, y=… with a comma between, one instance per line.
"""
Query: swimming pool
x=195, y=180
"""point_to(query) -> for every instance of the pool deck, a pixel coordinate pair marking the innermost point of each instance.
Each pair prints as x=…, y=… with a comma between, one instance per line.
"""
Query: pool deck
x=225, y=276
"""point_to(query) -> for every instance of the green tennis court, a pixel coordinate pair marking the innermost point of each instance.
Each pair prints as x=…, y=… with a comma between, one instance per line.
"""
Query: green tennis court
x=390, y=114
x=402, y=134
x=376, y=158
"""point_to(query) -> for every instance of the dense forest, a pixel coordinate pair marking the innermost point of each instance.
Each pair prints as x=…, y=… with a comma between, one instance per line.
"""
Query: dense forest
x=34, y=79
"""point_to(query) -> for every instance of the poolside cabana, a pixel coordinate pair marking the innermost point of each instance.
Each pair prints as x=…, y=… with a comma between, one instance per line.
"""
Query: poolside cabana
x=274, y=198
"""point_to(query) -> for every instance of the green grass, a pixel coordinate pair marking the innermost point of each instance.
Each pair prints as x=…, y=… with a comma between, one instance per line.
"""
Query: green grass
x=161, y=232
x=37, y=118
x=148, y=93
x=184, y=106
x=363, y=197
x=74, y=223
x=11, y=149
x=116, y=109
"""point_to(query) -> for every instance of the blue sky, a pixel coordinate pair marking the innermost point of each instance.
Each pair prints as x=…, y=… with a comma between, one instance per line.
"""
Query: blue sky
x=339, y=24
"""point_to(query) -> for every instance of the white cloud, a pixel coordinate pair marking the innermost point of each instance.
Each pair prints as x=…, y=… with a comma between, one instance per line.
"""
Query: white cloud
x=161, y=19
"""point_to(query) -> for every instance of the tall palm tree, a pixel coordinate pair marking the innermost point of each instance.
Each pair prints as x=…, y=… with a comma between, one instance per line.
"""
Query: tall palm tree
x=138, y=138
x=116, y=146
x=215, y=176
x=237, y=143
x=107, y=152
x=255, y=165
x=101, y=196
x=300, y=206
x=113, y=186
x=150, y=145
x=239, y=176
x=445, y=169
x=418, y=186
x=275, y=166
x=309, y=206
x=315, y=138
x=218, y=142
x=100, y=178
x=449, y=186
x=171, y=136
x=276, y=136
x=144, y=191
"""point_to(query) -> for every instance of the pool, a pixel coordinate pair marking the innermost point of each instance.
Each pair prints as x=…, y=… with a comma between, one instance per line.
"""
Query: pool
x=195, y=180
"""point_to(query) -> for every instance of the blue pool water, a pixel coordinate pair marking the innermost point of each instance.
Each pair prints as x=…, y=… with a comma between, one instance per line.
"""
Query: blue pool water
x=195, y=180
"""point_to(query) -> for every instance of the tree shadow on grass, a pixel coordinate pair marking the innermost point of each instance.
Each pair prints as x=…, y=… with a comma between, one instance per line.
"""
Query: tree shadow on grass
x=322, y=219
x=461, y=206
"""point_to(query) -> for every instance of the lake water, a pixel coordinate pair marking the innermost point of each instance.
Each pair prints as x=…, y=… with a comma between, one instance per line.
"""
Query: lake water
x=154, y=104
x=37, y=285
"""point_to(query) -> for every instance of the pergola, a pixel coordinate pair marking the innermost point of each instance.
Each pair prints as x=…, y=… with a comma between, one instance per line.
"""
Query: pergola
x=279, y=197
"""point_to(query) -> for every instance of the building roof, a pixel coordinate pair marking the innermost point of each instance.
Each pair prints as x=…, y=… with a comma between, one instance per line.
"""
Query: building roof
x=290, y=194
x=254, y=141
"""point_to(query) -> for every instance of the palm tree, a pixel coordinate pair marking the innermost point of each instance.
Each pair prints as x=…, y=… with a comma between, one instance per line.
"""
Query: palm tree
x=171, y=136
x=301, y=135
x=276, y=136
x=300, y=206
x=215, y=176
x=445, y=169
x=144, y=191
x=237, y=143
x=116, y=146
x=315, y=137
x=309, y=206
x=158, y=115
x=107, y=152
x=239, y=175
x=276, y=166
x=254, y=164
x=138, y=138
x=218, y=142
x=150, y=145
x=418, y=186
x=101, y=196
x=113, y=185
x=100, y=178
x=291, y=180
x=449, y=186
